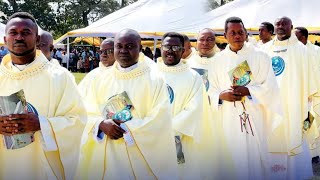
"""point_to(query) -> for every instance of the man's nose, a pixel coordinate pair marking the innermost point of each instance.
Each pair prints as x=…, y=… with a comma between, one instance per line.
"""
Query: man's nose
x=123, y=50
x=19, y=37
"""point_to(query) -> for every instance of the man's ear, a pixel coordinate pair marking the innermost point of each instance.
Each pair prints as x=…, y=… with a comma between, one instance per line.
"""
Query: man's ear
x=140, y=49
x=225, y=35
x=38, y=40
x=5, y=39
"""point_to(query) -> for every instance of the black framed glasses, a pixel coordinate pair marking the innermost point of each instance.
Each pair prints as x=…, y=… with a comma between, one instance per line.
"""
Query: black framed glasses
x=107, y=51
x=173, y=48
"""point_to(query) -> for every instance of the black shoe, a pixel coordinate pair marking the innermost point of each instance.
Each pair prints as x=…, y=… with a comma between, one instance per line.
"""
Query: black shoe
x=315, y=160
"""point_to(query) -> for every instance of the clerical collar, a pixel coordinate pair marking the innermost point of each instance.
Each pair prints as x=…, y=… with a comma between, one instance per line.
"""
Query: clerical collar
x=280, y=46
x=19, y=67
x=128, y=69
x=206, y=56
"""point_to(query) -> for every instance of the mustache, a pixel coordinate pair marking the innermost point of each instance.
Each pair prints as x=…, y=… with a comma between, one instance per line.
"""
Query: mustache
x=19, y=42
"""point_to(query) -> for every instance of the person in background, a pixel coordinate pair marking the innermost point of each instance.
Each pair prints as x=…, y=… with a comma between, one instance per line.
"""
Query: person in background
x=266, y=30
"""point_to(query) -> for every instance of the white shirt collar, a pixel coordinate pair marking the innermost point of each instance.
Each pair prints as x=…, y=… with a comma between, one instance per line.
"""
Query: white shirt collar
x=18, y=67
x=128, y=69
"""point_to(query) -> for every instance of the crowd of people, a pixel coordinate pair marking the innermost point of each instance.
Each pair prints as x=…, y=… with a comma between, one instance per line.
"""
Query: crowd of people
x=249, y=111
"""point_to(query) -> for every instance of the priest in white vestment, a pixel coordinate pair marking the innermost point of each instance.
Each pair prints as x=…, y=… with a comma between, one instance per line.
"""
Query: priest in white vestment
x=106, y=61
x=129, y=134
x=245, y=92
x=200, y=144
x=54, y=107
x=292, y=67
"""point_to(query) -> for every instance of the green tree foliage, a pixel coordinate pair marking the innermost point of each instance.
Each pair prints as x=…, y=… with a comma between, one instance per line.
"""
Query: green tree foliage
x=61, y=16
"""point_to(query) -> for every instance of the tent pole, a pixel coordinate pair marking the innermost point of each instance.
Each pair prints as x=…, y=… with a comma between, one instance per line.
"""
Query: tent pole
x=68, y=52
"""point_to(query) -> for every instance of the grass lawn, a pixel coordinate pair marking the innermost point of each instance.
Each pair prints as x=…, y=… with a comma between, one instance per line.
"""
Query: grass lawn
x=79, y=76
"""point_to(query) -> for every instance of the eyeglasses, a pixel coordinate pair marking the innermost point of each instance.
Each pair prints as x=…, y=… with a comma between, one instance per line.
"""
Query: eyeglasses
x=107, y=51
x=173, y=48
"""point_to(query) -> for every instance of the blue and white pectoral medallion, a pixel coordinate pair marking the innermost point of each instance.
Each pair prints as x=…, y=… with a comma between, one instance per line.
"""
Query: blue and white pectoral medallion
x=278, y=65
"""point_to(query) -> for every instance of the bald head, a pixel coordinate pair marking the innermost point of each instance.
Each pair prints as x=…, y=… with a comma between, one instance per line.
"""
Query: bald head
x=205, y=42
x=283, y=27
x=107, y=52
x=127, y=46
x=46, y=43
x=128, y=33
x=107, y=41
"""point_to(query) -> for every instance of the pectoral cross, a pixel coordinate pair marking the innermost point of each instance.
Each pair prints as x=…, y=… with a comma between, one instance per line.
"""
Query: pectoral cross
x=244, y=118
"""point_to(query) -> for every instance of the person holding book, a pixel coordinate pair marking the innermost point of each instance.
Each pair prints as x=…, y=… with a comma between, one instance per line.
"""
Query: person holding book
x=245, y=93
x=297, y=79
x=314, y=54
x=140, y=145
x=200, y=143
x=56, y=114
x=106, y=61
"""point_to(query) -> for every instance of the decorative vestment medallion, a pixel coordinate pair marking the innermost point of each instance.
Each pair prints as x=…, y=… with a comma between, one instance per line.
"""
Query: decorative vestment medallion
x=171, y=94
x=278, y=65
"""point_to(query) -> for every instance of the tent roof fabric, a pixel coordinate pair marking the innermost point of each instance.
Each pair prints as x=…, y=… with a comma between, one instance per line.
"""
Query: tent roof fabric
x=148, y=17
x=152, y=18
x=254, y=12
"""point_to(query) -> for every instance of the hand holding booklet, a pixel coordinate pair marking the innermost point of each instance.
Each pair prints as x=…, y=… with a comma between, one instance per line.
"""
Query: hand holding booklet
x=120, y=107
x=15, y=104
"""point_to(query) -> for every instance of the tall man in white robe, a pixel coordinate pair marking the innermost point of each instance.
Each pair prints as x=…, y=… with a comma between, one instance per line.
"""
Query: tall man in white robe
x=292, y=66
x=245, y=102
x=314, y=55
x=136, y=142
x=200, y=143
x=106, y=61
x=55, y=103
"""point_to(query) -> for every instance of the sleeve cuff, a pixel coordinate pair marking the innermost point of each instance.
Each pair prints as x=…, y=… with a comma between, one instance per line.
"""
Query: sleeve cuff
x=47, y=136
x=98, y=135
x=216, y=102
x=252, y=98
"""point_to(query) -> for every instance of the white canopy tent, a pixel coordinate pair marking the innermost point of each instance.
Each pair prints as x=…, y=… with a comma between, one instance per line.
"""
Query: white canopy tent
x=148, y=17
x=2, y=33
x=253, y=12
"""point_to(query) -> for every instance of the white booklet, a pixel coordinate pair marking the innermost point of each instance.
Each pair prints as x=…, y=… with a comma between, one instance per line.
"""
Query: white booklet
x=15, y=104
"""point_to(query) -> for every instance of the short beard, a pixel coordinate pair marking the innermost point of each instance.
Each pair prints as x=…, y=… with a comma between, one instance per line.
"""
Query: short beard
x=23, y=53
